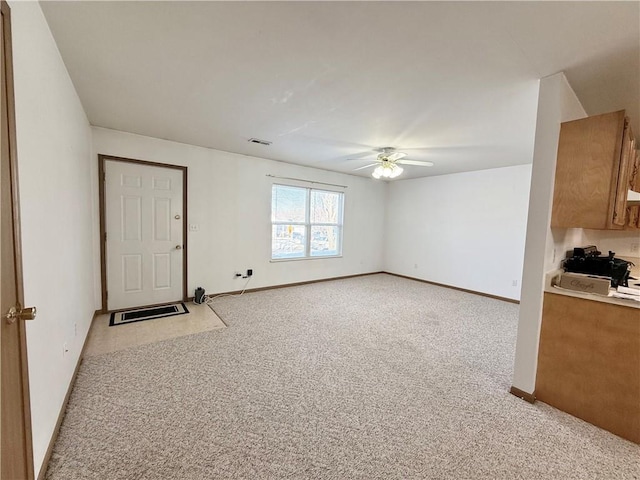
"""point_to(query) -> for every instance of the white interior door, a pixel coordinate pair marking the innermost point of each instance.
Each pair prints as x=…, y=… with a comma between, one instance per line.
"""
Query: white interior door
x=144, y=234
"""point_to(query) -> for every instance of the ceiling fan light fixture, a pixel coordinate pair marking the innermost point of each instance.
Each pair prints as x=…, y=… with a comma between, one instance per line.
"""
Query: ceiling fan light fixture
x=388, y=163
x=396, y=171
x=387, y=170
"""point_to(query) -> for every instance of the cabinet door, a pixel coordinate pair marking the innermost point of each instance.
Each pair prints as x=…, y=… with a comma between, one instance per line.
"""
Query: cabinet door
x=587, y=170
x=589, y=362
x=627, y=160
x=634, y=181
x=633, y=217
x=633, y=209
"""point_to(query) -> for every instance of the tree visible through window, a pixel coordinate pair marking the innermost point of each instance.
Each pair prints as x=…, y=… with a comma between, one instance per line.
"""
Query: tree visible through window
x=305, y=222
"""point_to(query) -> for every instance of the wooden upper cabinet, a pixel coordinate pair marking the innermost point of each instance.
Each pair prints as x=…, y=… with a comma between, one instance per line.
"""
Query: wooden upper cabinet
x=594, y=171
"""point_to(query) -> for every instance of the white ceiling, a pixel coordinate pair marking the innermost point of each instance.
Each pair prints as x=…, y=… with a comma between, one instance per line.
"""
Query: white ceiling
x=327, y=82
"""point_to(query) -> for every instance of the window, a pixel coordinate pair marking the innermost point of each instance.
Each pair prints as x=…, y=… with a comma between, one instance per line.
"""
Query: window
x=305, y=222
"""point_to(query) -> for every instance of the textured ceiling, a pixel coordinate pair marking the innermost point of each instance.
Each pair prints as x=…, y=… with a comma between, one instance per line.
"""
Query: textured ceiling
x=454, y=83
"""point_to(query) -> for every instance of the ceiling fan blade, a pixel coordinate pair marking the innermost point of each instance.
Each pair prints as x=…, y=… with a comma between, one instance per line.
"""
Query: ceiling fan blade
x=366, y=166
x=396, y=156
x=359, y=156
x=415, y=162
x=433, y=148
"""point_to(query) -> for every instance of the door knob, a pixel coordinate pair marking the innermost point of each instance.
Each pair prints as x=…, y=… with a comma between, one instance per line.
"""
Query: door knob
x=27, y=313
x=177, y=217
x=178, y=247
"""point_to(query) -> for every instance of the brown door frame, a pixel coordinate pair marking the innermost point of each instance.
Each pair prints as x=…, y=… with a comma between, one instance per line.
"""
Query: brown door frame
x=103, y=240
x=7, y=81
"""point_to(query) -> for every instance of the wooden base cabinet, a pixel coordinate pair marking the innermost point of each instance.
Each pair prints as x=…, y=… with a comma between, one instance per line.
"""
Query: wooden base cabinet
x=589, y=362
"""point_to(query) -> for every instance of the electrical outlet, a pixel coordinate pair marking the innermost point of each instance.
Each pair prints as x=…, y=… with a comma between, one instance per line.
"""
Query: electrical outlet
x=514, y=283
x=415, y=265
x=634, y=247
x=194, y=227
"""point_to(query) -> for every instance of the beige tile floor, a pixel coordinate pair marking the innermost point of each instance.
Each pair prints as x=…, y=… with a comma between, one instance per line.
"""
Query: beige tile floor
x=105, y=339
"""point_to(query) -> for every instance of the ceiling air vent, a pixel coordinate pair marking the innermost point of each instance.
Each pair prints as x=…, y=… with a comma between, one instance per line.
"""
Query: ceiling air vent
x=259, y=142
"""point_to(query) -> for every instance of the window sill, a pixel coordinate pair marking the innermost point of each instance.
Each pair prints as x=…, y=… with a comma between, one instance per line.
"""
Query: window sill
x=280, y=260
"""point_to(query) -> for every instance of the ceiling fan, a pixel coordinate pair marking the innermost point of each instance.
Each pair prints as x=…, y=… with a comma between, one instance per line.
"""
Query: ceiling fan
x=388, y=163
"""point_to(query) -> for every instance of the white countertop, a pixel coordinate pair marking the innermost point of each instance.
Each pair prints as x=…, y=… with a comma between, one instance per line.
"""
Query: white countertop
x=553, y=277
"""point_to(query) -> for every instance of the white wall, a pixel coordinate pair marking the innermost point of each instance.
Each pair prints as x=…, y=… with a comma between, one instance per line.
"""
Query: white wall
x=54, y=148
x=557, y=103
x=229, y=197
x=620, y=242
x=465, y=230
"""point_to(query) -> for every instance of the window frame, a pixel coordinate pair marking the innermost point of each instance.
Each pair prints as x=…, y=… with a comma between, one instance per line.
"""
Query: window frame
x=307, y=224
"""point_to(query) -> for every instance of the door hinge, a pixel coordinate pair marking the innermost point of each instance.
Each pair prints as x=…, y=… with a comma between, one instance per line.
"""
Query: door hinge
x=105, y=236
x=106, y=295
x=104, y=176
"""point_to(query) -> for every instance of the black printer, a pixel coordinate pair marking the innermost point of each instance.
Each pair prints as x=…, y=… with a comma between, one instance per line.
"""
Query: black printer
x=588, y=260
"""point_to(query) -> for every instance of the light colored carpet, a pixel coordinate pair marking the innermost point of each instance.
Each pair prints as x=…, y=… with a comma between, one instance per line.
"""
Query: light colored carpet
x=375, y=377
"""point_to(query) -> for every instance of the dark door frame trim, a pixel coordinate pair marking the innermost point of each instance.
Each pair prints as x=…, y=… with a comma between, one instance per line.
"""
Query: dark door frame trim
x=103, y=246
